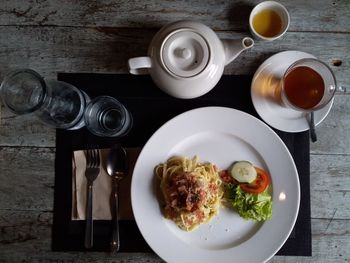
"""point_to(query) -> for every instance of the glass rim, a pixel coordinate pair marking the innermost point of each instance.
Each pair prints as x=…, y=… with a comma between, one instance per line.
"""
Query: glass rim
x=13, y=74
x=110, y=133
x=306, y=60
x=110, y=98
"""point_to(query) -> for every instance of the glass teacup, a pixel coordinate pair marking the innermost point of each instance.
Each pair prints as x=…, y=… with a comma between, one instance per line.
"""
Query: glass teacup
x=307, y=85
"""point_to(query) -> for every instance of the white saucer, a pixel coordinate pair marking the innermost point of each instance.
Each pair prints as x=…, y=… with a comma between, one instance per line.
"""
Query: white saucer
x=265, y=82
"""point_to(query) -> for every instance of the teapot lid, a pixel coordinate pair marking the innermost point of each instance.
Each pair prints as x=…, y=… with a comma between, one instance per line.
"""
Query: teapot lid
x=185, y=53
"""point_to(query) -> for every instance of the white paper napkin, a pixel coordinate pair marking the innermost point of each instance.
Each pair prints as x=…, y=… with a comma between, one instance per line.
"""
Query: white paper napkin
x=102, y=188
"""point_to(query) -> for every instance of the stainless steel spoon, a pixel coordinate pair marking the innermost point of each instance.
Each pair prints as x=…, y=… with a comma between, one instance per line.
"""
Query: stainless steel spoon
x=117, y=168
x=313, y=134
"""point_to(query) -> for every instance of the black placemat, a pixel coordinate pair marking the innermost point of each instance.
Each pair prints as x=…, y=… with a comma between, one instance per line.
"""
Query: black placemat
x=151, y=108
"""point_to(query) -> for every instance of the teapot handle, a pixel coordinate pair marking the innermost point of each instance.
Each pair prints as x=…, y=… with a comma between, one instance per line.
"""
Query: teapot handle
x=139, y=65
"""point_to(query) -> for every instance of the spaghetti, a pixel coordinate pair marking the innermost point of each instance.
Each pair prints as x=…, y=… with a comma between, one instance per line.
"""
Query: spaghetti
x=192, y=191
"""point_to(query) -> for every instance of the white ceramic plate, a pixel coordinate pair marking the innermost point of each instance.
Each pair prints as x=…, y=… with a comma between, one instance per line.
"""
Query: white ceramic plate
x=219, y=135
x=265, y=81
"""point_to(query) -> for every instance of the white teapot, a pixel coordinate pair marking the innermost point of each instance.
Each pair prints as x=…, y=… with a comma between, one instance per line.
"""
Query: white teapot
x=186, y=59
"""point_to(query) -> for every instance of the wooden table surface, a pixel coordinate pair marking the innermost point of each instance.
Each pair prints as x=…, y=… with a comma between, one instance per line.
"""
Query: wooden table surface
x=53, y=36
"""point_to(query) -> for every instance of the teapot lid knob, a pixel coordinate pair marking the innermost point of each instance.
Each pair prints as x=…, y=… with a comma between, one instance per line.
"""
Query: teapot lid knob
x=185, y=53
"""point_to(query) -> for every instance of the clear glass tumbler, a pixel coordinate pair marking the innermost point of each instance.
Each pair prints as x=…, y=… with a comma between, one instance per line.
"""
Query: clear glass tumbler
x=55, y=103
x=107, y=117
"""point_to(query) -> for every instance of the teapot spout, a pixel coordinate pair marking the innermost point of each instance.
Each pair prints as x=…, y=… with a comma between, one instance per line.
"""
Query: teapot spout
x=235, y=47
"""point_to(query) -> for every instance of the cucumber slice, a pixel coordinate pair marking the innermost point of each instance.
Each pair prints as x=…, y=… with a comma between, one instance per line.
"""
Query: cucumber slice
x=243, y=172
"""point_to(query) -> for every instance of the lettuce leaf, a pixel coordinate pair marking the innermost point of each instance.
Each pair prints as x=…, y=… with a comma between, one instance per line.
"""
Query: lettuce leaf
x=257, y=207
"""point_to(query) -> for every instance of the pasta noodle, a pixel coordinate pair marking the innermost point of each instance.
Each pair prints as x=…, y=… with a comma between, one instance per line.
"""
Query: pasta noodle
x=192, y=191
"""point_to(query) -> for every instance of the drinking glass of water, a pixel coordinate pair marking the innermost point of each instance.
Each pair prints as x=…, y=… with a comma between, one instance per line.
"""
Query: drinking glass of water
x=107, y=117
x=55, y=103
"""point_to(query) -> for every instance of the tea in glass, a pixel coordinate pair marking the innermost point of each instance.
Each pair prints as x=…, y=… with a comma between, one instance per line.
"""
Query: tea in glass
x=308, y=85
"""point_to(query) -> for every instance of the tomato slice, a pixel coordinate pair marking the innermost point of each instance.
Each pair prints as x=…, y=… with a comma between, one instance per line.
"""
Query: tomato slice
x=259, y=185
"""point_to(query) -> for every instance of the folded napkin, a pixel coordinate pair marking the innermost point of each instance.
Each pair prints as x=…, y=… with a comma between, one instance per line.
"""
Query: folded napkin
x=102, y=188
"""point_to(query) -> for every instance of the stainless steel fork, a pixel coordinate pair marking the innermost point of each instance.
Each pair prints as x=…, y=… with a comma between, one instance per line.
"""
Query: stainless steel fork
x=92, y=171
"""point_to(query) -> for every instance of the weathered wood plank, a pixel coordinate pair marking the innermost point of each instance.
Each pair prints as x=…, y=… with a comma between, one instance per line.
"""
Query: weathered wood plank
x=50, y=49
x=24, y=130
x=330, y=186
x=221, y=15
x=334, y=132
x=330, y=243
x=64, y=49
x=28, y=171
x=27, y=176
x=330, y=172
x=26, y=237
